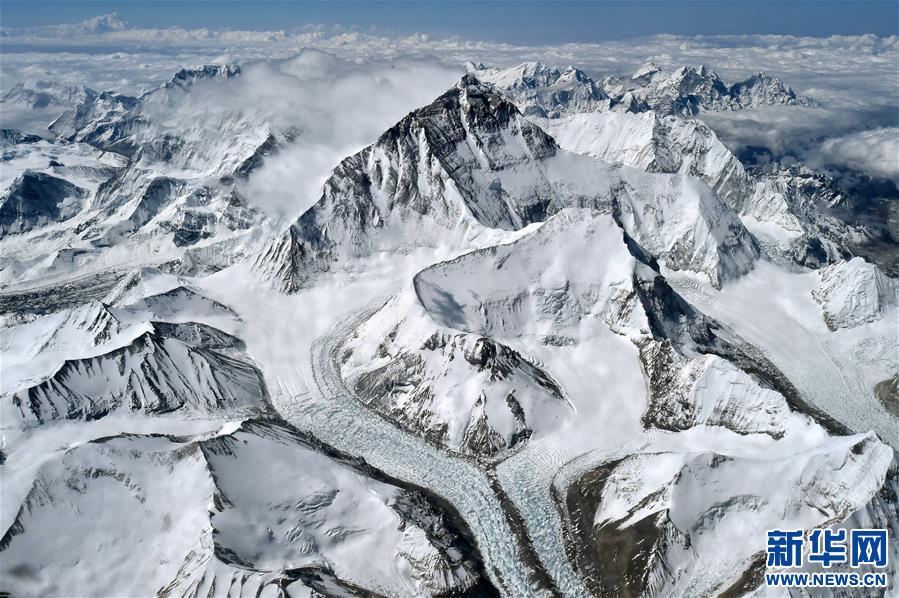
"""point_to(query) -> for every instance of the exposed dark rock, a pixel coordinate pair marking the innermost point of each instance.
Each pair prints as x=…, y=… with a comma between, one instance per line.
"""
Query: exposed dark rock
x=37, y=199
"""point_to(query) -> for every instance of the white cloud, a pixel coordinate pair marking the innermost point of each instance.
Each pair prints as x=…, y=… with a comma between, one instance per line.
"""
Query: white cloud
x=91, y=27
x=875, y=152
x=338, y=106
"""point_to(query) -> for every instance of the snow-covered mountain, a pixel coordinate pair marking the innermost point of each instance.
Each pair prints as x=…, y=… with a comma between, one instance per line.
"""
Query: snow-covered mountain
x=655, y=143
x=206, y=428
x=249, y=507
x=797, y=215
x=550, y=92
x=854, y=292
x=543, y=336
x=688, y=90
x=41, y=94
x=545, y=91
x=167, y=177
x=467, y=162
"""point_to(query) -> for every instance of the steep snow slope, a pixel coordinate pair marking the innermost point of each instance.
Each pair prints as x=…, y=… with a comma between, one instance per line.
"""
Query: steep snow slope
x=589, y=362
x=36, y=199
x=835, y=371
x=169, y=367
x=34, y=346
x=803, y=216
x=797, y=215
x=708, y=392
x=38, y=94
x=463, y=391
x=116, y=122
x=137, y=424
x=427, y=359
x=655, y=143
x=667, y=520
x=77, y=163
x=175, y=183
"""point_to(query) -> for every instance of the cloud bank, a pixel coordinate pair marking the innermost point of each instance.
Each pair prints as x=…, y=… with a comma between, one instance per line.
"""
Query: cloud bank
x=338, y=107
x=368, y=81
x=875, y=152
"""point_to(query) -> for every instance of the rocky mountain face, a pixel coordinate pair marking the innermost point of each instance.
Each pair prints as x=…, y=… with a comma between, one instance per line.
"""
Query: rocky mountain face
x=235, y=516
x=36, y=199
x=853, y=293
x=664, y=533
x=544, y=336
x=183, y=483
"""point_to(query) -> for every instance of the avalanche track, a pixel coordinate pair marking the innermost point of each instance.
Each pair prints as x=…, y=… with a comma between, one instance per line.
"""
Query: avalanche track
x=333, y=414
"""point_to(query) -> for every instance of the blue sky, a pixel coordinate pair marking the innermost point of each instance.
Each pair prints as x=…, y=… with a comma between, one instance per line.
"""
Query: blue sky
x=514, y=22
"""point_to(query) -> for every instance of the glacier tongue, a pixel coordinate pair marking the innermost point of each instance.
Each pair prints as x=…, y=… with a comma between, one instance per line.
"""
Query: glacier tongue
x=710, y=393
x=187, y=390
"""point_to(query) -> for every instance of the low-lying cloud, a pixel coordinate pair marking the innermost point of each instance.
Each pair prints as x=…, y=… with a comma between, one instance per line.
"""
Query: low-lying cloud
x=874, y=152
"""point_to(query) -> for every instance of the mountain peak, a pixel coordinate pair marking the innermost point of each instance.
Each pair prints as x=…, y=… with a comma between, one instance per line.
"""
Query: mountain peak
x=186, y=77
x=482, y=106
x=646, y=71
